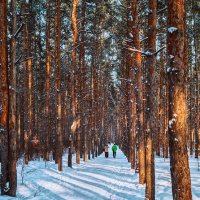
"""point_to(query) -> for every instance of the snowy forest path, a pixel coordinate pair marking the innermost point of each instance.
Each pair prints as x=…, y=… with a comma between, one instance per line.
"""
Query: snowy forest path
x=113, y=175
x=98, y=179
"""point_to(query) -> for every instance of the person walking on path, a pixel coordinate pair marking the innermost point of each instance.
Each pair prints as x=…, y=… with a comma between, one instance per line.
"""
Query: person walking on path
x=106, y=150
x=114, y=149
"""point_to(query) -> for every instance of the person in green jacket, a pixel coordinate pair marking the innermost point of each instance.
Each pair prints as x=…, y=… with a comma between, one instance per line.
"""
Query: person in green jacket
x=114, y=149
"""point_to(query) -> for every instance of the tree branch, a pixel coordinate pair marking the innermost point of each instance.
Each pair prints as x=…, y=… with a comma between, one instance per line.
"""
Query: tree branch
x=161, y=10
x=147, y=53
x=136, y=50
x=159, y=50
x=18, y=30
x=18, y=60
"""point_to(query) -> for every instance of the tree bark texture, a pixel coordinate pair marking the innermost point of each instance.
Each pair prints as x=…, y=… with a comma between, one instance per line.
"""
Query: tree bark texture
x=13, y=111
x=139, y=92
x=150, y=91
x=4, y=96
x=48, y=68
x=73, y=82
x=180, y=172
x=57, y=34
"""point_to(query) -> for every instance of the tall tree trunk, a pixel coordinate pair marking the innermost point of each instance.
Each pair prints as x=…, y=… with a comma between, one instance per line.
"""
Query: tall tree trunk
x=73, y=65
x=59, y=145
x=13, y=113
x=180, y=173
x=139, y=92
x=161, y=131
x=150, y=117
x=4, y=96
x=133, y=129
x=81, y=75
x=25, y=86
x=48, y=68
x=30, y=97
x=129, y=76
x=197, y=133
x=166, y=152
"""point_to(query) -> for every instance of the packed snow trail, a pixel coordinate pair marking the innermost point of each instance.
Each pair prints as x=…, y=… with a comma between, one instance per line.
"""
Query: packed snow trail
x=98, y=179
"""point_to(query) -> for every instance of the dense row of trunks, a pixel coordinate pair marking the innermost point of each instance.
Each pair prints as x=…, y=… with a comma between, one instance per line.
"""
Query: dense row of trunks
x=49, y=106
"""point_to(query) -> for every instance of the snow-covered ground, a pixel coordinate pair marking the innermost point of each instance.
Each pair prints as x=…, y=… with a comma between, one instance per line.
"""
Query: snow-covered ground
x=96, y=179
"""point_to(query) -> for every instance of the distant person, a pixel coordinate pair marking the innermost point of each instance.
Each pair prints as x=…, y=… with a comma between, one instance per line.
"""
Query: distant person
x=106, y=150
x=114, y=149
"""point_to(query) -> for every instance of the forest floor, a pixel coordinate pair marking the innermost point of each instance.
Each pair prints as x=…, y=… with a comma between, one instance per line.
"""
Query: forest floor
x=98, y=179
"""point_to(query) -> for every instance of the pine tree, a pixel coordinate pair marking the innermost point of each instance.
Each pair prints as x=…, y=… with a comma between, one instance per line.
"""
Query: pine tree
x=180, y=173
x=4, y=98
